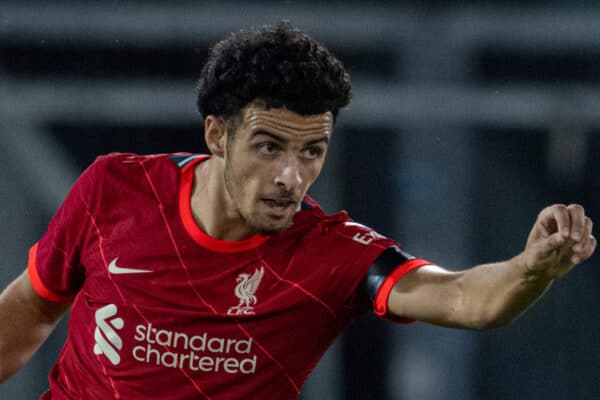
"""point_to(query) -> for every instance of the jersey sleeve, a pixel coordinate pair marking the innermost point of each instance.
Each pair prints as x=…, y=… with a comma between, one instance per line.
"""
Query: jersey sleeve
x=54, y=265
x=387, y=269
x=377, y=264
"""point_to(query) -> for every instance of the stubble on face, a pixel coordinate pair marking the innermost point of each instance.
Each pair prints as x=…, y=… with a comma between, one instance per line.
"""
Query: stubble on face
x=253, y=221
x=245, y=175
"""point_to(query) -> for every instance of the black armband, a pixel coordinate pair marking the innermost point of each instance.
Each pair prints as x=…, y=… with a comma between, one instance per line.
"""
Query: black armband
x=383, y=266
x=386, y=270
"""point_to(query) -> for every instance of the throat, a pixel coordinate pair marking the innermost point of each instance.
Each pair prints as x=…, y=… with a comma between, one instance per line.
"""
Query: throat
x=213, y=210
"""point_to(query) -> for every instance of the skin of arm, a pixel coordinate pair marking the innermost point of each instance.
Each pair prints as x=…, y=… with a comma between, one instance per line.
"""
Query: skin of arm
x=492, y=295
x=27, y=321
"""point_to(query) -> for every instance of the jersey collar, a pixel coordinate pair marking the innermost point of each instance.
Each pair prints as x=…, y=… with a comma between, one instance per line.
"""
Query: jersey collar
x=192, y=228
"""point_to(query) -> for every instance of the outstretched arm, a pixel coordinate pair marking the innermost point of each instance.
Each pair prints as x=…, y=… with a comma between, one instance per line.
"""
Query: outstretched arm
x=27, y=320
x=491, y=295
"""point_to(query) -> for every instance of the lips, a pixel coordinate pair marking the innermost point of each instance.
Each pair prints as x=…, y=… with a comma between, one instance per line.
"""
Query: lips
x=279, y=207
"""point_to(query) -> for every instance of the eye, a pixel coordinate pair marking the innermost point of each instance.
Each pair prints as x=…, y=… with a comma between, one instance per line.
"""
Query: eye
x=268, y=148
x=312, y=152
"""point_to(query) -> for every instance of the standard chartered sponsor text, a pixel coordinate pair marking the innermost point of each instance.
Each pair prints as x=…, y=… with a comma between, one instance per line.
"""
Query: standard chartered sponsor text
x=196, y=353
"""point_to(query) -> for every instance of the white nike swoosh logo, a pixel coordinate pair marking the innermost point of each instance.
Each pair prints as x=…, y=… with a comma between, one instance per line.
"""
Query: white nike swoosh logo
x=113, y=268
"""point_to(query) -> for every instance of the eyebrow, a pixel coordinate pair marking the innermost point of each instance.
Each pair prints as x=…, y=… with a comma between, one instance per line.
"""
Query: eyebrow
x=273, y=136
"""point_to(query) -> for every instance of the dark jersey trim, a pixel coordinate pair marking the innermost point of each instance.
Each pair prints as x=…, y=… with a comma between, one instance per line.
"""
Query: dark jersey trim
x=304, y=205
x=386, y=271
x=183, y=160
x=383, y=266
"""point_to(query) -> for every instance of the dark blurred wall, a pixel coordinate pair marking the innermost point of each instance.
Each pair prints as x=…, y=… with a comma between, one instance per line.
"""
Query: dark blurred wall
x=468, y=117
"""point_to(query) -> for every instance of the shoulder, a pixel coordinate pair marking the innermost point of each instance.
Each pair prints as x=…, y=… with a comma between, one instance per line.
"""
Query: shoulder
x=339, y=224
x=122, y=165
x=338, y=233
x=128, y=172
x=122, y=160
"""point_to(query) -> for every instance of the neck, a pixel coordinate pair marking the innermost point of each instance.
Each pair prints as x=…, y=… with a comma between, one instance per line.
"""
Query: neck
x=211, y=204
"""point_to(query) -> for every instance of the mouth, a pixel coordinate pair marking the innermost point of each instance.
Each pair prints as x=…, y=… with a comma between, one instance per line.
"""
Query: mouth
x=279, y=207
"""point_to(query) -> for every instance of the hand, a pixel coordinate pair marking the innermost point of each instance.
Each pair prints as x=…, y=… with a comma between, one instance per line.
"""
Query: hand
x=560, y=239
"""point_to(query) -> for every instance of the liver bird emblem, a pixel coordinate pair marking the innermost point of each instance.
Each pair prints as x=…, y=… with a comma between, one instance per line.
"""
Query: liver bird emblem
x=245, y=291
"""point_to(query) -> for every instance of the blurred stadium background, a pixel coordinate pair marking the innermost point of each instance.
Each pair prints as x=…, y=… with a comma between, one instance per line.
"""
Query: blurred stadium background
x=468, y=117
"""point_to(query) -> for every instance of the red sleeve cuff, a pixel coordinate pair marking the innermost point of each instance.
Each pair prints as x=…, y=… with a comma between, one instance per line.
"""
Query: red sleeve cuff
x=380, y=304
x=37, y=283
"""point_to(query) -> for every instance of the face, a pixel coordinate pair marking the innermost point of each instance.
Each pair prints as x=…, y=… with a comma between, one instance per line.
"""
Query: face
x=271, y=161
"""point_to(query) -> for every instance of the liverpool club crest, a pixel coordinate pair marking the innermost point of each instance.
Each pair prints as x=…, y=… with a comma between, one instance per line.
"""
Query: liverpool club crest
x=244, y=290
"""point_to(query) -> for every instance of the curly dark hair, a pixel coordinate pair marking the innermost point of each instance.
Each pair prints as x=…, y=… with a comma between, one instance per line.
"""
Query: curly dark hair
x=277, y=65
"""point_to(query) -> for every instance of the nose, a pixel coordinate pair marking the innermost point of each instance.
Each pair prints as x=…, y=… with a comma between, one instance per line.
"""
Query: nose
x=288, y=173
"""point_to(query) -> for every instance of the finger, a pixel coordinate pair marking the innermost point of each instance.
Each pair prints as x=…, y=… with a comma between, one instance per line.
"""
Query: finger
x=577, y=217
x=578, y=247
x=546, y=247
x=556, y=215
x=591, y=247
x=587, y=252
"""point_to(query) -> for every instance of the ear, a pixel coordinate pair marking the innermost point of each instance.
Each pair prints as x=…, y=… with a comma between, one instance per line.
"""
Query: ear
x=215, y=135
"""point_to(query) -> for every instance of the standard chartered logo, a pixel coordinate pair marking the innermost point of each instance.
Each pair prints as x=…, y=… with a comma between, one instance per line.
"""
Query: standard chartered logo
x=170, y=349
x=108, y=341
x=197, y=353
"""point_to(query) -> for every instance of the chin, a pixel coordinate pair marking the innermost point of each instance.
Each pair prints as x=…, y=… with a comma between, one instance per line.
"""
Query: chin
x=270, y=230
x=266, y=230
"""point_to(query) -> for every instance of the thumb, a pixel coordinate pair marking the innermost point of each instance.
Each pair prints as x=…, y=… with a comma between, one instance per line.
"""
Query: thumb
x=545, y=247
x=549, y=256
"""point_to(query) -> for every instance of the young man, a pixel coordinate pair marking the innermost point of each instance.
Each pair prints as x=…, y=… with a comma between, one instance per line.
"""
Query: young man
x=216, y=277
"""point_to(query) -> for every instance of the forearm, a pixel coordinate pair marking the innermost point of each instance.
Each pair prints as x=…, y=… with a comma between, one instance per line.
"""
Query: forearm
x=26, y=323
x=491, y=295
x=496, y=294
x=484, y=296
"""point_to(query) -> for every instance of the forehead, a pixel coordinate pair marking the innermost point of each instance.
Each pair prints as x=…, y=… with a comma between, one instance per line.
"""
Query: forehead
x=285, y=122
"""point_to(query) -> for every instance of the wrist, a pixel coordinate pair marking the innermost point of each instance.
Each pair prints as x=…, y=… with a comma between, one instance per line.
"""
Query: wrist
x=532, y=272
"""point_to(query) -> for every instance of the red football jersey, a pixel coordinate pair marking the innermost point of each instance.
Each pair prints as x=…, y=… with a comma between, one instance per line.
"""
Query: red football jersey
x=163, y=311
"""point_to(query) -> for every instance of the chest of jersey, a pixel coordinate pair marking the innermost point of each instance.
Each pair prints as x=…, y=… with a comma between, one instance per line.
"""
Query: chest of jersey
x=154, y=301
x=199, y=323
